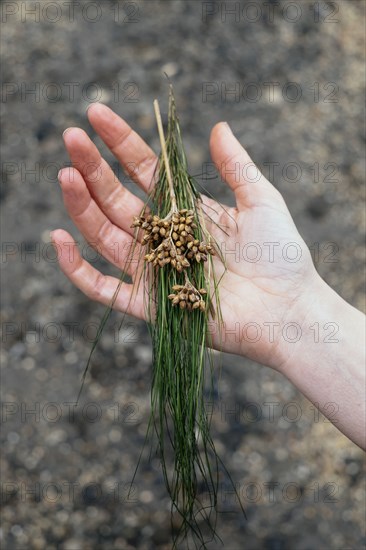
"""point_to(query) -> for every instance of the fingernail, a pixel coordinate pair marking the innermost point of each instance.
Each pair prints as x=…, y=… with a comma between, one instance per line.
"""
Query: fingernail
x=64, y=132
x=228, y=127
x=95, y=103
x=51, y=236
x=59, y=175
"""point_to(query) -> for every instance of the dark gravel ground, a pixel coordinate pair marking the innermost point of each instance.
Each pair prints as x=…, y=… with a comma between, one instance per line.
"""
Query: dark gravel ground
x=64, y=475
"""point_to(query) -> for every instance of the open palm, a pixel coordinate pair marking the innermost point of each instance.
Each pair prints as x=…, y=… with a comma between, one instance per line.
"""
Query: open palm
x=269, y=267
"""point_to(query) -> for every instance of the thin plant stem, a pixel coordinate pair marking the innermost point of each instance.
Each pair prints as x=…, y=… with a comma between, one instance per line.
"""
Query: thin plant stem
x=165, y=155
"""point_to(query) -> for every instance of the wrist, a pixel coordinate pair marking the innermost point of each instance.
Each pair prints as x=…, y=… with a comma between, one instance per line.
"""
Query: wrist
x=312, y=326
x=327, y=363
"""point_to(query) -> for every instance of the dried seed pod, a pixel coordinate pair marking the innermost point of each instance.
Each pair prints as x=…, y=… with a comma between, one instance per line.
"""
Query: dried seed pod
x=187, y=294
x=177, y=287
x=171, y=240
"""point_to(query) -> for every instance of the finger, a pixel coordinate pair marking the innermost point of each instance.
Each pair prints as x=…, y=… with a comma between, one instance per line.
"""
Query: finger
x=137, y=158
x=238, y=170
x=91, y=282
x=118, y=204
x=108, y=239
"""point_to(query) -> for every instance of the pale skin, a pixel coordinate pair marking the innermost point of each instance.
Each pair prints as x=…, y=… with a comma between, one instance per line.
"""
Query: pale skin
x=270, y=288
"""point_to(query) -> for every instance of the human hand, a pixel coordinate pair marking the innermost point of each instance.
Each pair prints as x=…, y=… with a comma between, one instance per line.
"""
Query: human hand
x=254, y=294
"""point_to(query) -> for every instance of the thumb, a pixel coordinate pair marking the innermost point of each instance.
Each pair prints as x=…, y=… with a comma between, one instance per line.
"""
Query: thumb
x=236, y=167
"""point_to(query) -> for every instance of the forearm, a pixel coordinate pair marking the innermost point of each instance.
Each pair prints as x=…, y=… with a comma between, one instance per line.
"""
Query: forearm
x=327, y=364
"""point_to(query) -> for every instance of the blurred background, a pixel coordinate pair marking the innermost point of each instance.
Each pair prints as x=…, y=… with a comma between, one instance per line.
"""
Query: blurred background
x=289, y=79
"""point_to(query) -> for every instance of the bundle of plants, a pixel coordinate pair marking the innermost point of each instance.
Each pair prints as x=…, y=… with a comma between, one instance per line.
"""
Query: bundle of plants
x=181, y=295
